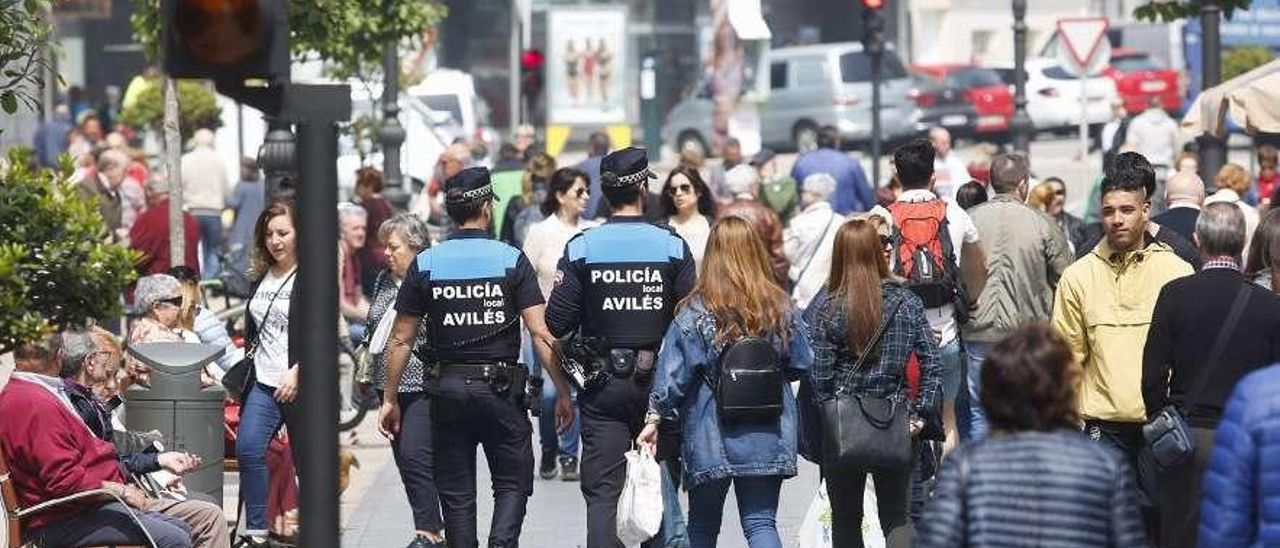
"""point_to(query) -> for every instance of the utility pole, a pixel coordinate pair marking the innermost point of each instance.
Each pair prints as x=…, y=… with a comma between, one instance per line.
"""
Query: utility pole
x=1021, y=123
x=1213, y=151
x=873, y=45
x=173, y=167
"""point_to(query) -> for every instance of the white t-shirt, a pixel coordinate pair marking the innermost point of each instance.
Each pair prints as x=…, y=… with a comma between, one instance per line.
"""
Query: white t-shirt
x=272, y=359
x=544, y=246
x=695, y=232
x=950, y=174
x=962, y=231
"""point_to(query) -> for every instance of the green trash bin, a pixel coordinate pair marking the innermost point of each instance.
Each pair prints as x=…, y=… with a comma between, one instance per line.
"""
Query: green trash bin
x=175, y=404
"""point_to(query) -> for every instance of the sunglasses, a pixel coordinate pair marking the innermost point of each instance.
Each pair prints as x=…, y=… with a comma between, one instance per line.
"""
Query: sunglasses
x=677, y=190
x=886, y=241
x=176, y=301
x=1060, y=191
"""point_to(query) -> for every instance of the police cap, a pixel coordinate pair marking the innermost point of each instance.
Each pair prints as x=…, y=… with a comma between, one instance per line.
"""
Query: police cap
x=625, y=167
x=469, y=186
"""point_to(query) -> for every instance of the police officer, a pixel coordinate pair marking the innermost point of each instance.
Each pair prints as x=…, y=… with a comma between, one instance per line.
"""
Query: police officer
x=618, y=283
x=473, y=292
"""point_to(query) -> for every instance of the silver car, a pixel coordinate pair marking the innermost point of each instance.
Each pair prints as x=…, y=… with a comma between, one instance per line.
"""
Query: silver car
x=810, y=87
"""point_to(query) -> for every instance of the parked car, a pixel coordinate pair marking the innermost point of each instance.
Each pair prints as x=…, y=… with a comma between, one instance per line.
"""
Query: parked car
x=982, y=88
x=938, y=105
x=809, y=87
x=1053, y=95
x=1139, y=77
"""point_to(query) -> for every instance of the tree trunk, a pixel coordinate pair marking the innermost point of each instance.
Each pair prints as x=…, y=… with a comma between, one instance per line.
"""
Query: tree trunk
x=173, y=163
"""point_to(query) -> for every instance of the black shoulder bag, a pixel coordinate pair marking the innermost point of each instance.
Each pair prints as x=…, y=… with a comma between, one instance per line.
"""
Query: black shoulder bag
x=861, y=432
x=1168, y=436
x=236, y=380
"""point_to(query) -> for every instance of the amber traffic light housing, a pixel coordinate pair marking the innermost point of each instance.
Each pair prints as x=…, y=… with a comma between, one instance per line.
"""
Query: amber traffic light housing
x=228, y=41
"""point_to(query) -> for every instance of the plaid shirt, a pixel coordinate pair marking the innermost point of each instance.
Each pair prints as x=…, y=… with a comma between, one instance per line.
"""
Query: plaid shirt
x=907, y=331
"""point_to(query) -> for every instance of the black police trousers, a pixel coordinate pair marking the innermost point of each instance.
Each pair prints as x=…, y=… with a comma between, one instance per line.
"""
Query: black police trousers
x=612, y=417
x=466, y=412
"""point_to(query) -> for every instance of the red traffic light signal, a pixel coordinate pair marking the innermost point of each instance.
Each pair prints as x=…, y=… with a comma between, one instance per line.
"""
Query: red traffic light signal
x=532, y=59
x=873, y=4
x=228, y=41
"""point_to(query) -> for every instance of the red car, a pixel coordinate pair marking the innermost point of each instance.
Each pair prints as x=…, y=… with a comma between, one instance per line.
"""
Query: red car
x=982, y=88
x=1138, y=77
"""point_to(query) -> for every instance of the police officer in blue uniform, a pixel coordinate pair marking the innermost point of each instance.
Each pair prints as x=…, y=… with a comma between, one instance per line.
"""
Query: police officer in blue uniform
x=473, y=291
x=617, y=284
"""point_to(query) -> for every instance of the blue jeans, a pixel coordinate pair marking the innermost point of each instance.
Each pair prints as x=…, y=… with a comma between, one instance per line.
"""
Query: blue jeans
x=260, y=418
x=547, y=420
x=977, y=418
x=757, y=508
x=211, y=239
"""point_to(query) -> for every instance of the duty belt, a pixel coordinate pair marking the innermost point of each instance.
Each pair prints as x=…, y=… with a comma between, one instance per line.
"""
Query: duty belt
x=480, y=370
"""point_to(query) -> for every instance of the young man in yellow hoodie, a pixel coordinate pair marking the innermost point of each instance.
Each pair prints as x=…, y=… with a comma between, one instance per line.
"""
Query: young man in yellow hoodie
x=1104, y=302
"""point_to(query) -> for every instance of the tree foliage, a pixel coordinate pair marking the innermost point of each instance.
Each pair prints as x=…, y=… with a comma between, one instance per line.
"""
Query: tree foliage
x=25, y=32
x=197, y=107
x=55, y=269
x=1173, y=10
x=1237, y=61
x=348, y=34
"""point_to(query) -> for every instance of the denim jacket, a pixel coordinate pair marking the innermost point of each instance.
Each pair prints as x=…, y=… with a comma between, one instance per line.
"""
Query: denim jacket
x=712, y=450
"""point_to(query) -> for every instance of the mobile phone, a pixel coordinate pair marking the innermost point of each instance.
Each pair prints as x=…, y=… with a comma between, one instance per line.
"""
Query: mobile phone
x=114, y=402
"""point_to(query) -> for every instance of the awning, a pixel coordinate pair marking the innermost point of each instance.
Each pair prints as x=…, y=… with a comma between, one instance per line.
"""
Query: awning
x=747, y=22
x=1252, y=99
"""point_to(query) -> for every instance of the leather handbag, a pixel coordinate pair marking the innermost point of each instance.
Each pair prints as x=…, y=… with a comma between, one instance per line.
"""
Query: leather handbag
x=236, y=380
x=864, y=432
x=1168, y=436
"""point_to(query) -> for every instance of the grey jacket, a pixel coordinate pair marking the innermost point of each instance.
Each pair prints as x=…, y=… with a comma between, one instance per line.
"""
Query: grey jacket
x=1026, y=254
x=1033, y=489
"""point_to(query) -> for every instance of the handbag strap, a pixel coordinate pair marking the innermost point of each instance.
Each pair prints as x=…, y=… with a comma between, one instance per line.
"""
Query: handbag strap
x=257, y=335
x=875, y=342
x=1220, y=345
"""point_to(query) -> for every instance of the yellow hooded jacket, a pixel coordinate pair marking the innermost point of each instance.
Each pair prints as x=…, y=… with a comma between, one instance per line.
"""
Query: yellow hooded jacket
x=1103, y=307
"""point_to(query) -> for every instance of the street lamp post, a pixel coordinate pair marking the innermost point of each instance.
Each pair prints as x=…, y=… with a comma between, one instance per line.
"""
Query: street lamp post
x=873, y=44
x=1021, y=123
x=1213, y=151
x=277, y=156
x=392, y=133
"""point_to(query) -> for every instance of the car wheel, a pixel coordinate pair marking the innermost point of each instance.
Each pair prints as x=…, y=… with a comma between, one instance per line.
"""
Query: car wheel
x=690, y=140
x=804, y=137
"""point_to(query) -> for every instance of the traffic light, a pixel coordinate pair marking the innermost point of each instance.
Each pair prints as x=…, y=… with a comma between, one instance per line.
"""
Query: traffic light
x=872, y=26
x=227, y=41
x=532, y=62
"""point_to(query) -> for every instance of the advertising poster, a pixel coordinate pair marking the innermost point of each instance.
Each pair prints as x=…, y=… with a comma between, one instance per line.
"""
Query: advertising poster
x=586, y=58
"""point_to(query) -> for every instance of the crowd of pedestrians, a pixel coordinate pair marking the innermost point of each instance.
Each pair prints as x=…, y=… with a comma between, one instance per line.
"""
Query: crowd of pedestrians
x=978, y=352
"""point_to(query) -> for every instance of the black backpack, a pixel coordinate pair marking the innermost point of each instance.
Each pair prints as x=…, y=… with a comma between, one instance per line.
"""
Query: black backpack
x=750, y=384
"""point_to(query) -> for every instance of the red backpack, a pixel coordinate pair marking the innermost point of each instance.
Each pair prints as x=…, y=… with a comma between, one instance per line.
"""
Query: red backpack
x=924, y=253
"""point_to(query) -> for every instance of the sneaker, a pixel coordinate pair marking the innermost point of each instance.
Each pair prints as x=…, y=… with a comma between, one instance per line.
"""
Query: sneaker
x=547, y=468
x=421, y=541
x=569, y=468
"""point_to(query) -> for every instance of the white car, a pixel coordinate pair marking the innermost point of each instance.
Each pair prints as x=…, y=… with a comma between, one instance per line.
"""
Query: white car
x=1053, y=96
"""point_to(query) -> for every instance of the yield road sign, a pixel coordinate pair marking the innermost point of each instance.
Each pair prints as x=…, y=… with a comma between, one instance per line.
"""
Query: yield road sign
x=1081, y=37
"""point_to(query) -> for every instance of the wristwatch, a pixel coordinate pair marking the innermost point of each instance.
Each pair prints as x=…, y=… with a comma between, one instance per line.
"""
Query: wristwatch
x=652, y=417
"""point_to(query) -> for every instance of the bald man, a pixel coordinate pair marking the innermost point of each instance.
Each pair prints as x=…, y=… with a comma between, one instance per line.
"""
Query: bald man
x=950, y=171
x=1184, y=192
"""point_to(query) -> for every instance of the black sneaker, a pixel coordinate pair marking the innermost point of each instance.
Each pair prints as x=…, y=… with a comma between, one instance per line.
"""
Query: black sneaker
x=547, y=468
x=421, y=541
x=569, y=468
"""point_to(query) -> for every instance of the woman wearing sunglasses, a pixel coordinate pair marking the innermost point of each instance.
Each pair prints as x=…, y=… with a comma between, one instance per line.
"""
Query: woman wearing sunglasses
x=566, y=200
x=158, y=298
x=689, y=207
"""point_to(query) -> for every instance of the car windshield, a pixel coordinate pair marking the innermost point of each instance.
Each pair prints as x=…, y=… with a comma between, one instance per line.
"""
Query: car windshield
x=443, y=103
x=856, y=67
x=1132, y=63
x=974, y=78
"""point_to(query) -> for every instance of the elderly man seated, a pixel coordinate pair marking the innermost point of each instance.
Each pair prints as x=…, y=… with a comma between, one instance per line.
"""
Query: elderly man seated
x=52, y=452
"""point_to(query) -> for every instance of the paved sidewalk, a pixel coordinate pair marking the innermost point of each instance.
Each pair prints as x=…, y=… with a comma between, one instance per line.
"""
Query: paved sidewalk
x=556, y=516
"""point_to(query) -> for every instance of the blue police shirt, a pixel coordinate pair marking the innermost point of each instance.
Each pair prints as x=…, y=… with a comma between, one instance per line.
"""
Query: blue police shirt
x=471, y=289
x=621, y=281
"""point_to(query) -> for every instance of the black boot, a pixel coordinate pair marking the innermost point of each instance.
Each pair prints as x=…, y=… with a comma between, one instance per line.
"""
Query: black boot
x=547, y=468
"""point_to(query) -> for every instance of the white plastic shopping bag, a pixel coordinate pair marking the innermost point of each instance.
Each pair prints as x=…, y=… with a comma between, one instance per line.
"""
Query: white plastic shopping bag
x=640, y=505
x=815, y=530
